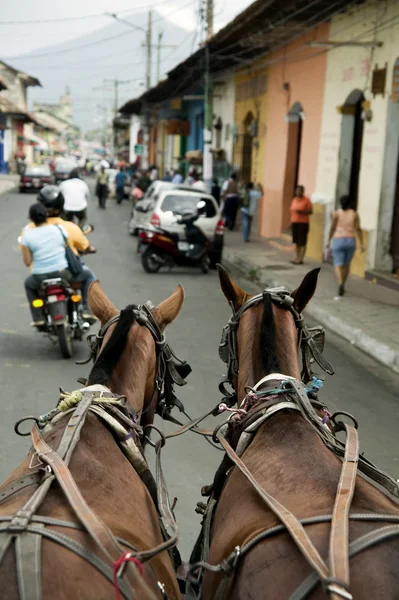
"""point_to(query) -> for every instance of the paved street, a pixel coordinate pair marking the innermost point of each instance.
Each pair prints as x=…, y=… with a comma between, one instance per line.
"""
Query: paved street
x=31, y=369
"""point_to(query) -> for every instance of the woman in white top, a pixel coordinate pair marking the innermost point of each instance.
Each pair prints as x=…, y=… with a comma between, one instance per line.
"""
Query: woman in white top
x=345, y=227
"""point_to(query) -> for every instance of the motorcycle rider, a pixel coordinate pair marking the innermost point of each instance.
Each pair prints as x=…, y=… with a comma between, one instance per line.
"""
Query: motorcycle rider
x=43, y=249
x=53, y=200
x=76, y=194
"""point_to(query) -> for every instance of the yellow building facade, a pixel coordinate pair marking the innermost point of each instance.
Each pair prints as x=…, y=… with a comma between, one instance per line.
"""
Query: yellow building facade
x=250, y=116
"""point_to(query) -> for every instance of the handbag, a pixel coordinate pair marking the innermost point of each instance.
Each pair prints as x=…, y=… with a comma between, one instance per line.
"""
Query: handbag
x=74, y=263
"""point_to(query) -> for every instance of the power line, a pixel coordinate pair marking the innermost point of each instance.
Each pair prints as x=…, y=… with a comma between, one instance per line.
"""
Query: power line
x=82, y=17
x=96, y=43
x=102, y=41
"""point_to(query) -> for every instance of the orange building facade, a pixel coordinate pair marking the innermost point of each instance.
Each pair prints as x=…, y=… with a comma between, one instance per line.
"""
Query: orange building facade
x=296, y=82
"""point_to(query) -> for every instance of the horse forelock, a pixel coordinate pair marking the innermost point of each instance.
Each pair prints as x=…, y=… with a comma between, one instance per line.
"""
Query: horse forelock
x=268, y=351
x=106, y=362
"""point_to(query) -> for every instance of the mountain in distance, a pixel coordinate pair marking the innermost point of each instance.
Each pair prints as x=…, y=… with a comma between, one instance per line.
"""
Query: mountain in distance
x=115, y=51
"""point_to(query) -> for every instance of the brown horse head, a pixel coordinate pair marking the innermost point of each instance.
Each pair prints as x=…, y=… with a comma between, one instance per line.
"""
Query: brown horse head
x=267, y=338
x=129, y=357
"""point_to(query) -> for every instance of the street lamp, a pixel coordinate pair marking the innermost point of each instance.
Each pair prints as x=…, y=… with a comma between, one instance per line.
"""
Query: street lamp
x=125, y=21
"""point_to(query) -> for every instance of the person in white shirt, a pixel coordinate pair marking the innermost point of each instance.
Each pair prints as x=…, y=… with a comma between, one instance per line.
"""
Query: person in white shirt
x=76, y=194
x=200, y=185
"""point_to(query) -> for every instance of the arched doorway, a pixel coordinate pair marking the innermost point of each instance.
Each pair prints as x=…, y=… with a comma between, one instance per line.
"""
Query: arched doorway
x=350, y=150
x=293, y=157
x=246, y=153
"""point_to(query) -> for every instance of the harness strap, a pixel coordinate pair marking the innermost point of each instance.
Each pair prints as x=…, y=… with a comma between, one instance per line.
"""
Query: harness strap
x=5, y=540
x=295, y=528
x=339, y=535
x=72, y=431
x=98, y=530
x=362, y=543
x=19, y=484
x=79, y=550
x=28, y=563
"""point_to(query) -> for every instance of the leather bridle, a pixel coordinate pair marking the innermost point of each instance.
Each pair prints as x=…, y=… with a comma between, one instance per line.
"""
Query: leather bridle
x=26, y=529
x=170, y=369
x=310, y=340
x=292, y=395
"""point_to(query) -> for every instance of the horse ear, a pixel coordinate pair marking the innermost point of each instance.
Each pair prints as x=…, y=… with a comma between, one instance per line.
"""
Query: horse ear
x=232, y=291
x=100, y=304
x=168, y=310
x=304, y=293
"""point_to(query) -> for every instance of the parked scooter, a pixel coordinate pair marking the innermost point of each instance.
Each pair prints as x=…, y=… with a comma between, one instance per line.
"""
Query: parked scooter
x=161, y=248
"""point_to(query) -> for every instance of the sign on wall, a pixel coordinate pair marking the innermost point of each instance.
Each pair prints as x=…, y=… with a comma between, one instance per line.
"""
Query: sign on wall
x=395, y=82
x=378, y=80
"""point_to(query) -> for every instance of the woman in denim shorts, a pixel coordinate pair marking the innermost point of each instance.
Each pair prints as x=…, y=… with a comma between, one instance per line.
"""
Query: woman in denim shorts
x=344, y=228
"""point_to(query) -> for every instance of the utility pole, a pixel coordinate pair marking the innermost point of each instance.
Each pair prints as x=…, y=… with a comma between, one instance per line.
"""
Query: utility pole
x=159, y=48
x=116, y=83
x=149, y=49
x=207, y=165
x=160, y=45
x=146, y=136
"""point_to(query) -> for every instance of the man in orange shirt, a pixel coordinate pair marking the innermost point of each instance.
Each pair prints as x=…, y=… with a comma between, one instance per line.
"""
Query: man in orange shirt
x=301, y=208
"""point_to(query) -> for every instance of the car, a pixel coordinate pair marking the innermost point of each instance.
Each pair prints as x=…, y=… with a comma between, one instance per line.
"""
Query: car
x=63, y=169
x=161, y=206
x=139, y=216
x=34, y=178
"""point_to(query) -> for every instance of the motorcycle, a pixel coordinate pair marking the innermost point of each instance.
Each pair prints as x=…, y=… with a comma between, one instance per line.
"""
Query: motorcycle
x=161, y=248
x=61, y=302
x=62, y=305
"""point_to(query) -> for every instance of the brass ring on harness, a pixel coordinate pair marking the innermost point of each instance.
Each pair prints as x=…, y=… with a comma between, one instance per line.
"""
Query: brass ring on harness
x=159, y=432
x=338, y=425
x=18, y=423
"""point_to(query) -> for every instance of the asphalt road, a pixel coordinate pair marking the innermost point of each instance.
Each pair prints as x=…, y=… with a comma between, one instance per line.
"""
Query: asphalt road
x=31, y=369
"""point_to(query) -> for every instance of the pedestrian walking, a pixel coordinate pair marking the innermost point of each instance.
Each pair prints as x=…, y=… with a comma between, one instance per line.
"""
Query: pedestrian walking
x=301, y=209
x=153, y=172
x=102, y=187
x=120, y=182
x=231, y=201
x=248, y=212
x=168, y=177
x=199, y=184
x=191, y=176
x=177, y=178
x=344, y=228
x=216, y=190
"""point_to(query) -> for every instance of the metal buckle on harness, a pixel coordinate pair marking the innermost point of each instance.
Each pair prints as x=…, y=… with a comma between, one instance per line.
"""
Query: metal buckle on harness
x=335, y=586
x=161, y=586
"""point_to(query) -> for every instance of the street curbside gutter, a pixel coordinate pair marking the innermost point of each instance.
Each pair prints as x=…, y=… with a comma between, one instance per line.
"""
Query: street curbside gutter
x=358, y=338
x=8, y=185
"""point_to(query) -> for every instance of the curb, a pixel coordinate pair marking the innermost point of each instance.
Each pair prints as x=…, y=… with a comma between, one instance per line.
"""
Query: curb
x=12, y=186
x=377, y=350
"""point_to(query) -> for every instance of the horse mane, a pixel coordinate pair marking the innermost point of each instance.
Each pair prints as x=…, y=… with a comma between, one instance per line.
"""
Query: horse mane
x=268, y=353
x=105, y=364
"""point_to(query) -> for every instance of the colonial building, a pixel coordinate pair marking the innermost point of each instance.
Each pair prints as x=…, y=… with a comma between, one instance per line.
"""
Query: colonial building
x=250, y=117
x=13, y=114
x=359, y=142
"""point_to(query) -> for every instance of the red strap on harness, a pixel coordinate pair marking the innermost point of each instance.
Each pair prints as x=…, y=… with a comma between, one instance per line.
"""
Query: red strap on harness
x=118, y=564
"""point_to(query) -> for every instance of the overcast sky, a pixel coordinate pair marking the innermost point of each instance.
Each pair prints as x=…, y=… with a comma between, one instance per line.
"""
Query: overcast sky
x=20, y=38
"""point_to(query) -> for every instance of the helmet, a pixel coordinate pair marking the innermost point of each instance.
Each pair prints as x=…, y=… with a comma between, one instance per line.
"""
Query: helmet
x=51, y=197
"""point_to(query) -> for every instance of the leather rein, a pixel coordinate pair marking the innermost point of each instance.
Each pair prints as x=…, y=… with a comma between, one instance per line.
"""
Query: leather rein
x=26, y=529
x=291, y=394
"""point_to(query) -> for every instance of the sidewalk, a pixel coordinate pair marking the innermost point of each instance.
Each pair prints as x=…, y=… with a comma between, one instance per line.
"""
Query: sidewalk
x=8, y=183
x=367, y=316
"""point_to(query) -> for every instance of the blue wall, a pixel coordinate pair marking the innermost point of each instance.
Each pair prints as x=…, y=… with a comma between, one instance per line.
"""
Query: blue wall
x=195, y=114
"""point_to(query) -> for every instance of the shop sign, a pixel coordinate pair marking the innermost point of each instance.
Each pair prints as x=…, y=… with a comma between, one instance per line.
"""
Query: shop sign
x=378, y=80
